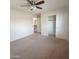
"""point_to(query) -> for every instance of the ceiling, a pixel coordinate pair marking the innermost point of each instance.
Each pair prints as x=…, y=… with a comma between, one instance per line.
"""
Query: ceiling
x=47, y=6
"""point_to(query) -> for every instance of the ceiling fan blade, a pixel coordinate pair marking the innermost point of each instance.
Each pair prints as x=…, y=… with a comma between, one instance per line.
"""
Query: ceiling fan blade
x=30, y=2
x=38, y=7
x=38, y=3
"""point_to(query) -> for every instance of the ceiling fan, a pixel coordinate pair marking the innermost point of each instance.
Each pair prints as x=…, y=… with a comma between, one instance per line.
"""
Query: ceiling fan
x=33, y=4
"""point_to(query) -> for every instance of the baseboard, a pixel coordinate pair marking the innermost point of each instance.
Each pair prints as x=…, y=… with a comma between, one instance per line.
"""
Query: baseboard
x=20, y=38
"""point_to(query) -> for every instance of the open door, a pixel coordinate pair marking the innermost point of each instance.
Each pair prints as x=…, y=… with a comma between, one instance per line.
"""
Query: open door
x=35, y=25
x=52, y=25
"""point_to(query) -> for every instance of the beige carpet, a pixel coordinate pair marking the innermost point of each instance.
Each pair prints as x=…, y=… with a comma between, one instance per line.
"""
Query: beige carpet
x=39, y=47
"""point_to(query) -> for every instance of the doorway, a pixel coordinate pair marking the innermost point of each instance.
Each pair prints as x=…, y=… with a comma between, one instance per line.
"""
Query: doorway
x=35, y=25
x=52, y=25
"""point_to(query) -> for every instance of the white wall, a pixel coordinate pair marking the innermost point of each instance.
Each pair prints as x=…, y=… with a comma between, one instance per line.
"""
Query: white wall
x=21, y=24
x=62, y=23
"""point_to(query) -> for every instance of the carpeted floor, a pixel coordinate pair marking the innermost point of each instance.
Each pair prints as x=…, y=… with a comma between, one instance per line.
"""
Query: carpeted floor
x=39, y=47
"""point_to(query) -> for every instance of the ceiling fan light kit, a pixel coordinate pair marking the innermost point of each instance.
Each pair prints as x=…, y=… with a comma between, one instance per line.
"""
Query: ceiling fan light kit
x=32, y=7
x=34, y=4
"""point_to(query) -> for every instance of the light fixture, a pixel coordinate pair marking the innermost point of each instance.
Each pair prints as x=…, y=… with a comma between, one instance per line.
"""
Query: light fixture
x=32, y=7
x=33, y=4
